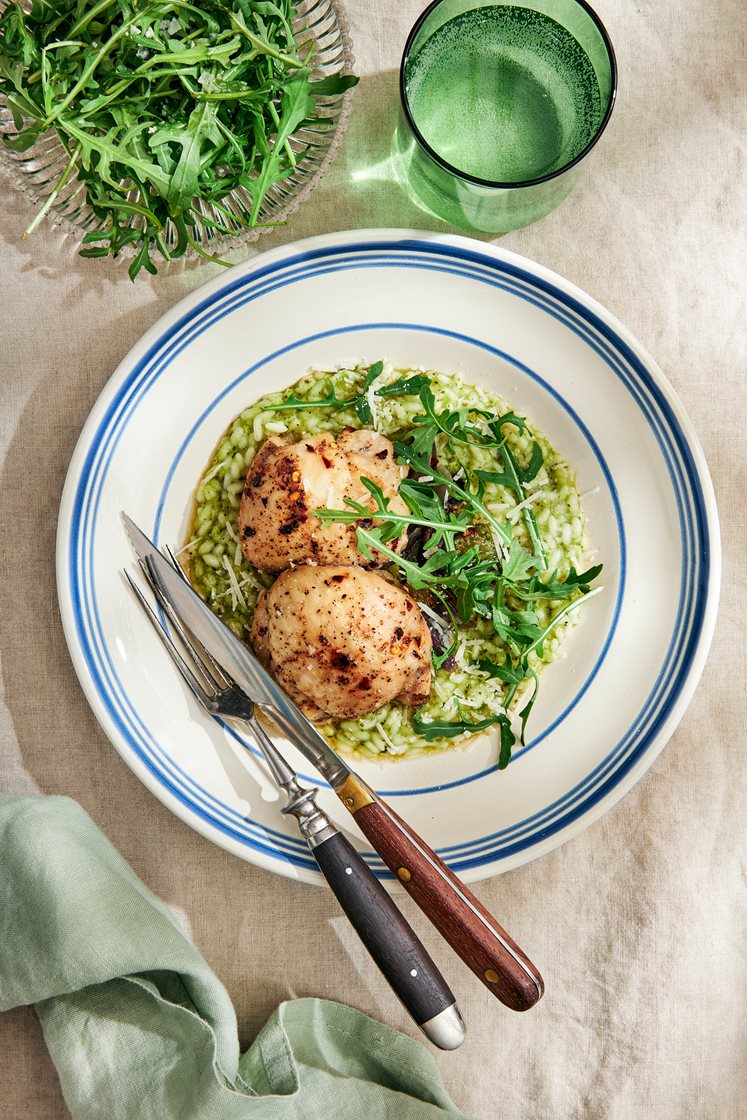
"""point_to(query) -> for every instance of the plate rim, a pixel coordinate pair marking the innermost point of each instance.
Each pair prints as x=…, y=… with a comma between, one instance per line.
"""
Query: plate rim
x=360, y=238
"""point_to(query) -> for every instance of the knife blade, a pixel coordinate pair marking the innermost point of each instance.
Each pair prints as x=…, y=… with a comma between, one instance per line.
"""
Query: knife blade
x=473, y=933
x=234, y=656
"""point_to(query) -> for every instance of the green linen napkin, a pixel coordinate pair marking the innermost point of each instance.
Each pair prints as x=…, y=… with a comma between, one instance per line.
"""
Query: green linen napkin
x=139, y=1027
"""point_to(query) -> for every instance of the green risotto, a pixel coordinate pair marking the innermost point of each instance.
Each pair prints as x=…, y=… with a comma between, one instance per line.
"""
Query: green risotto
x=506, y=592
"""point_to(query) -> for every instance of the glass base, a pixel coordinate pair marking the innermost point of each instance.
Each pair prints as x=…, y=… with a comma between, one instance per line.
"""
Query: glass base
x=471, y=206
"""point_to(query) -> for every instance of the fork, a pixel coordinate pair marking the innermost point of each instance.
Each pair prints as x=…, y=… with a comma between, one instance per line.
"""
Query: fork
x=388, y=937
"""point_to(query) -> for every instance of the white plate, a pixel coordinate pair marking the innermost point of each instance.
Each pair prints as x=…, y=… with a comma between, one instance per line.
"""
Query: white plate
x=449, y=303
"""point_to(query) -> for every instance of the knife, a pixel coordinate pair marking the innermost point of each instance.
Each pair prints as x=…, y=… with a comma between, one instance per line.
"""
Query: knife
x=462, y=920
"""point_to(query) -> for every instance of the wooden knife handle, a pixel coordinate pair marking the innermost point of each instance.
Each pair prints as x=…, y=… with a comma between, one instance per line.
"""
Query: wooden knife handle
x=469, y=928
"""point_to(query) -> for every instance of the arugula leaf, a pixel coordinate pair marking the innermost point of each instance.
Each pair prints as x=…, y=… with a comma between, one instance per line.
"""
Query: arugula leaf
x=574, y=581
x=424, y=504
x=358, y=403
x=405, y=386
x=562, y=613
x=524, y=713
x=419, y=576
x=447, y=729
x=517, y=628
x=507, y=741
x=517, y=563
x=296, y=106
x=553, y=588
x=200, y=135
x=295, y=403
x=515, y=478
x=518, y=422
x=508, y=672
x=362, y=405
x=473, y=585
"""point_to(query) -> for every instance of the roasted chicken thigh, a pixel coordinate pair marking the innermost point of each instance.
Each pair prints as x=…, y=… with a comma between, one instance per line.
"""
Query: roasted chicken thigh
x=286, y=481
x=342, y=640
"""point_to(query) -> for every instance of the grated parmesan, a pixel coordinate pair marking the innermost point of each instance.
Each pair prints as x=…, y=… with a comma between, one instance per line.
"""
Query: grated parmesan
x=500, y=549
x=539, y=480
x=237, y=595
x=216, y=469
x=237, y=556
x=380, y=728
x=187, y=546
x=513, y=515
x=470, y=670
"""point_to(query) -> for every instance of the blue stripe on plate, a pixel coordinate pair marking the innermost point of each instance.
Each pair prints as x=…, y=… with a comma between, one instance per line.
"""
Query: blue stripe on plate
x=126, y=400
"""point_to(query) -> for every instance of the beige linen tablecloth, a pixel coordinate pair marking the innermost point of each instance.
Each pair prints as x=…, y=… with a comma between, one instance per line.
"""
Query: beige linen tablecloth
x=635, y=922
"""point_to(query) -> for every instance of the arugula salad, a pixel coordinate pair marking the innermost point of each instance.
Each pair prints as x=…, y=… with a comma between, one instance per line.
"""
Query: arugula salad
x=163, y=108
x=495, y=542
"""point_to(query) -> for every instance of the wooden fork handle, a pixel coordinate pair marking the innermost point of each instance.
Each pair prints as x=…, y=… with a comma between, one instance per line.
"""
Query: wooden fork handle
x=460, y=918
x=393, y=945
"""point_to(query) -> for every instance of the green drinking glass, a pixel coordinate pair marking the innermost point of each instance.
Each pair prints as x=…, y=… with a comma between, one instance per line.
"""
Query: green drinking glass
x=501, y=103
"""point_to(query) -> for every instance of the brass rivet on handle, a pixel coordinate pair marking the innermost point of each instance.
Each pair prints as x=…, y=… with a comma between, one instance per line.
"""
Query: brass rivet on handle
x=404, y=874
x=350, y=802
x=491, y=976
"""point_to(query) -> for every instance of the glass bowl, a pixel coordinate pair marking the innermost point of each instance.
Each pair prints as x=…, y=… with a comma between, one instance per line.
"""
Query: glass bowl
x=37, y=170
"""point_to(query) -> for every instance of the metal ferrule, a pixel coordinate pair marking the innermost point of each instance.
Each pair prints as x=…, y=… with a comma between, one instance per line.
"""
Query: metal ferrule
x=315, y=826
x=445, y=1030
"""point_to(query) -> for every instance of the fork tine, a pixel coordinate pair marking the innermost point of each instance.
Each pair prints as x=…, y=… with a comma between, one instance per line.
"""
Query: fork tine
x=220, y=674
x=171, y=555
x=194, y=685
x=176, y=622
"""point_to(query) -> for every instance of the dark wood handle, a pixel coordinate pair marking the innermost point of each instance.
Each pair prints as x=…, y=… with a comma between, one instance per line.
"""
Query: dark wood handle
x=384, y=931
x=469, y=928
